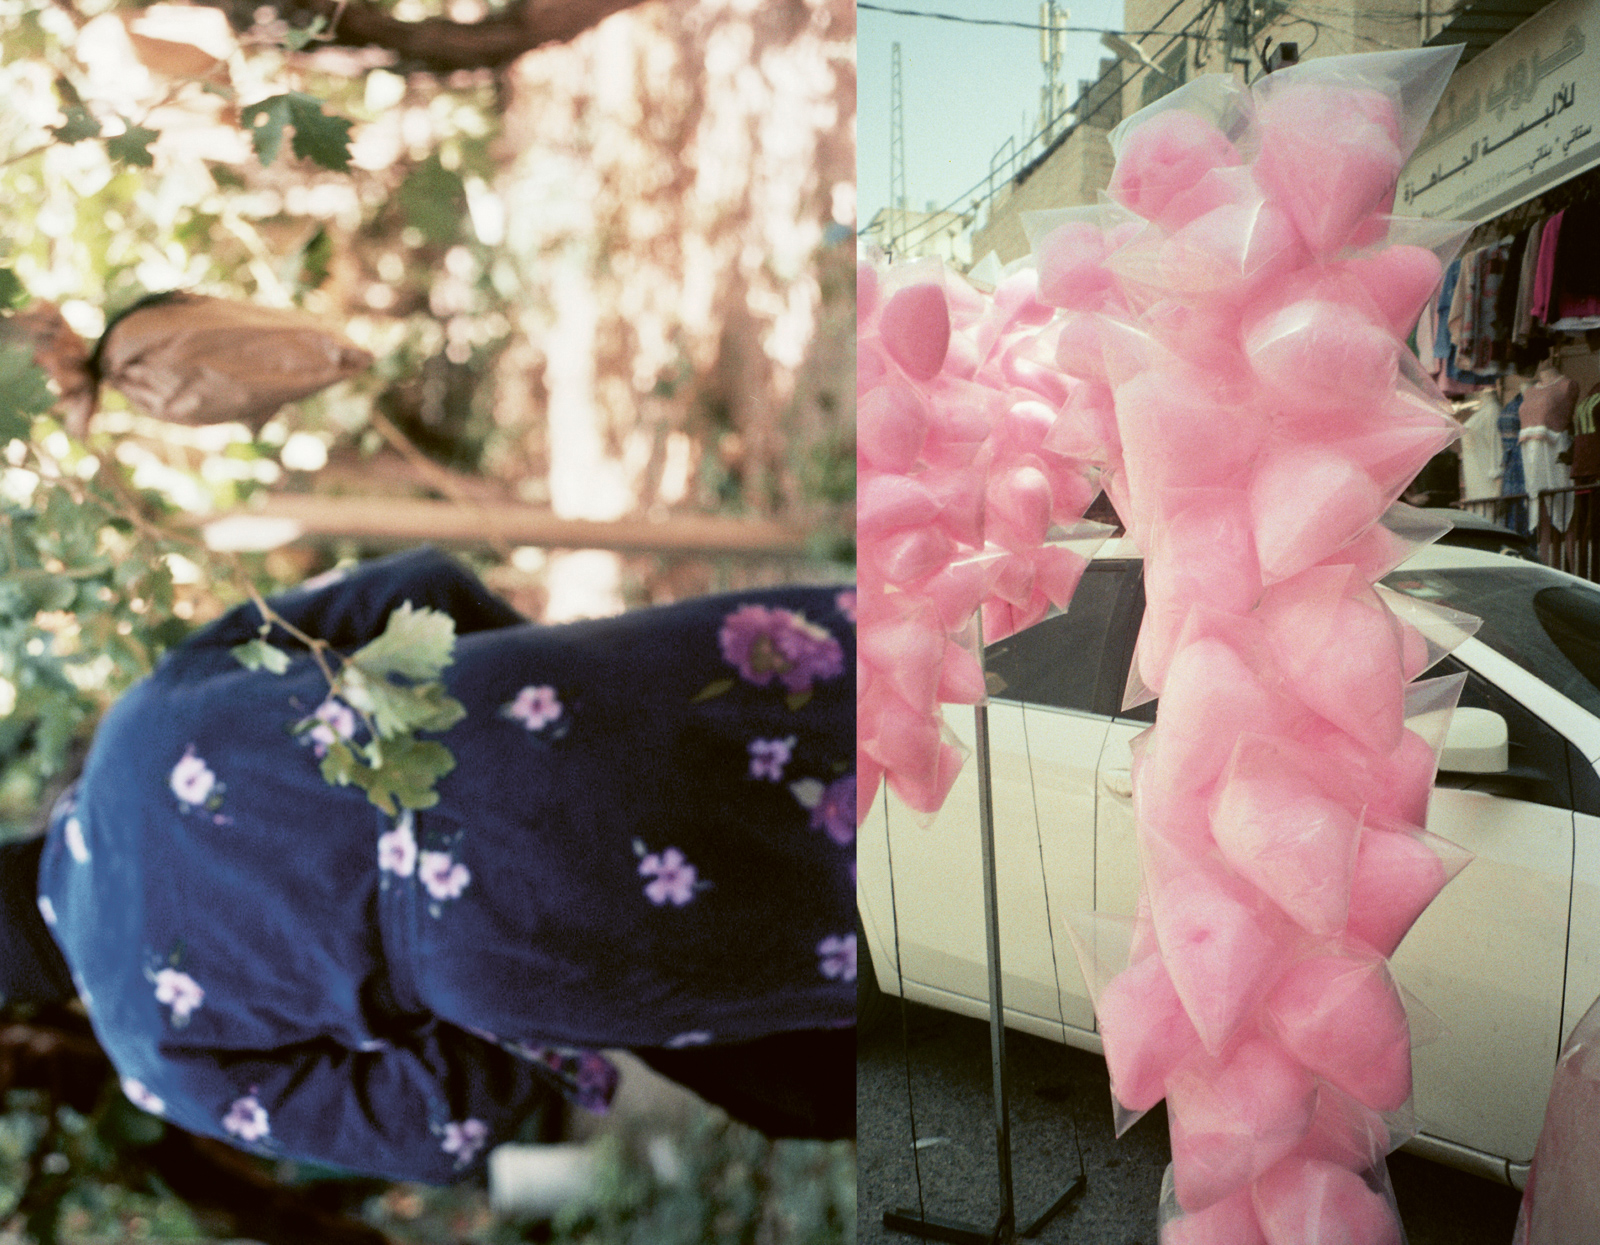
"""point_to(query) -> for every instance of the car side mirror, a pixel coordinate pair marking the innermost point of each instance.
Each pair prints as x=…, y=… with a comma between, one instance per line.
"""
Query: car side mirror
x=1478, y=742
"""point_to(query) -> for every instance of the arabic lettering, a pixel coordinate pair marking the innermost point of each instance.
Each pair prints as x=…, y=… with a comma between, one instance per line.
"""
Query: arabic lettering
x=1521, y=80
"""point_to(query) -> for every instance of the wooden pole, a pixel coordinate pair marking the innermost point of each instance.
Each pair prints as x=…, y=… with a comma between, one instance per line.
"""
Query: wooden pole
x=407, y=521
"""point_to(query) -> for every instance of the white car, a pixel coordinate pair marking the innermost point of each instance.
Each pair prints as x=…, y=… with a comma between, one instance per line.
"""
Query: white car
x=1508, y=957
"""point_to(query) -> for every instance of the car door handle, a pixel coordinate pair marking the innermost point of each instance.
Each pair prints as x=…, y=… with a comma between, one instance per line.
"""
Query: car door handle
x=1118, y=782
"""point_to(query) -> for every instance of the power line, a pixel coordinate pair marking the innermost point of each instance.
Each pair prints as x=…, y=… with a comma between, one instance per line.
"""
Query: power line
x=997, y=21
x=918, y=231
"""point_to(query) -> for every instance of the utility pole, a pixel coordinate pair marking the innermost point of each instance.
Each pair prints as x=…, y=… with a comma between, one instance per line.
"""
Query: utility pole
x=1052, y=102
x=1236, y=35
x=897, y=157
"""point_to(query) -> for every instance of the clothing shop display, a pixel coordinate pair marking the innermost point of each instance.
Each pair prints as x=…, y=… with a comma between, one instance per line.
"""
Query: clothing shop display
x=1546, y=418
x=1575, y=285
x=1511, y=478
x=1585, y=440
x=1480, y=450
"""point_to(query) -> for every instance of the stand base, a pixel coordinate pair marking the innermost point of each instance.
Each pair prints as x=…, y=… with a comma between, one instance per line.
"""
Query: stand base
x=955, y=1232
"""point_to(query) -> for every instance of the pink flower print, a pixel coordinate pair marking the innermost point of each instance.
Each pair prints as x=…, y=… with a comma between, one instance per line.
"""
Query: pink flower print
x=397, y=849
x=444, y=878
x=767, y=643
x=837, y=957
x=769, y=756
x=192, y=780
x=247, y=1119
x=845, y=603
x=178, y=991
x=674, y=877
x=464, y=1140
x=335, y=721
x=141, y=1097
x=535, y=707
x=72, y=836
x=835, y=812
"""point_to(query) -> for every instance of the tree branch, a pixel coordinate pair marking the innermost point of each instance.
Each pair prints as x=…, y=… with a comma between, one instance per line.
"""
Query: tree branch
x=440, y=45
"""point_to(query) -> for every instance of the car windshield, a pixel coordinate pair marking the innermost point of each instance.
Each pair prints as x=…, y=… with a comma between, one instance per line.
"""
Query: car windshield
x=1546, y=623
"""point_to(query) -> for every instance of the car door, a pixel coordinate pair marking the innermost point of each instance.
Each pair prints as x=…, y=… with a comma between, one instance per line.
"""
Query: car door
x=921, y=878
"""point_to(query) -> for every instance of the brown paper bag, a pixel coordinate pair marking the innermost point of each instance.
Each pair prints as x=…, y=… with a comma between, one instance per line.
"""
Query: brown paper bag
x=193, y=359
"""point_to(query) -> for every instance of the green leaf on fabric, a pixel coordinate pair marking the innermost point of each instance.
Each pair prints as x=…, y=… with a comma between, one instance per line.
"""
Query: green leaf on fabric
x=259, y=655
x=798, y=700
x=399, y=709
x=415, y=644
x=712, y=690
x=132, y=146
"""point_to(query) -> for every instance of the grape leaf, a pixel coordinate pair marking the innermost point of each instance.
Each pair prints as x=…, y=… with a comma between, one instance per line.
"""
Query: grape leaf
x=398, y=709
x=415, y=644
x=405, y=779
x=132, y=146
x=259, y=655
x=317, y=136
x=265, y=120
x=24, y=392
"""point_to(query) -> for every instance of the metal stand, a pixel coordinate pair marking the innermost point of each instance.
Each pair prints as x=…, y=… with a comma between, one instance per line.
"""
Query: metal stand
x=930, y=1227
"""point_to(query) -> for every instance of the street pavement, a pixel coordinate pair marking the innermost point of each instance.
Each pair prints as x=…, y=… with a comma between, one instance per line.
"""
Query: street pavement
x=1060, y=1101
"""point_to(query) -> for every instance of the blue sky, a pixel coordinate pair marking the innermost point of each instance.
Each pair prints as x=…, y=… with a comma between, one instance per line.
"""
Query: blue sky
x=966, y=88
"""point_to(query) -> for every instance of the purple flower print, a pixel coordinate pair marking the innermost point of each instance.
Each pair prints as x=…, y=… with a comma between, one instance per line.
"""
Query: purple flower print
x=141, y=1097
x=397, y=849
x=695, y=1037
x=464, y=1140
x=247, y=1119
x=72, y=836
x=674, y=877
x=192, y=780
x=444, y=878
x=837, y=957
x=178, y=991
x=336, y=721
x=534, y=707
x=845, y=603
x=767, y=643
x=835, y=812
x=769, y=756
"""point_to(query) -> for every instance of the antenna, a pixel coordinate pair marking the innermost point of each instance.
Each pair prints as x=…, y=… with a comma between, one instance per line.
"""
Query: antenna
x=897, y=157
x=1052, y=102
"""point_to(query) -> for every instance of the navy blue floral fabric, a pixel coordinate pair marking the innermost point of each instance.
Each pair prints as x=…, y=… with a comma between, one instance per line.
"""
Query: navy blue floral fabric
x=647, y=840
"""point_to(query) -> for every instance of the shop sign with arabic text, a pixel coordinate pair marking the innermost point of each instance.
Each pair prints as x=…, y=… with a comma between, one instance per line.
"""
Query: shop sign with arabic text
x=1521, y=117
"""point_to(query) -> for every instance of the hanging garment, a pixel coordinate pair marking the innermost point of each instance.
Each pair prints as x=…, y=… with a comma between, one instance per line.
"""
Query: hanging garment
x=1585, y=438
x=1544, y=275
x=1511, y=479
x=1481, y=457
x=1545, y=419
x=1576, y=300
x=1522, y=316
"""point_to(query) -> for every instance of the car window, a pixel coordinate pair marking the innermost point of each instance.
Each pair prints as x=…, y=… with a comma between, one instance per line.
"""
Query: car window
x=1076, y=660
x=1543, y=621
x=1537, y=770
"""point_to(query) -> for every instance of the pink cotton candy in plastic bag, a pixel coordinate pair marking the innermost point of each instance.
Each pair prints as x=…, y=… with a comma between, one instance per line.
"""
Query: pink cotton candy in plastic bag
x=1307, y=1202
x=1398, y=873
x=1162, y=157
x=1233, y=1119
x=1221, y=949
x=915, y=329
x=1146, y=1033
x=1231, y=1221
x=1343, y=1019
x=1330, y=155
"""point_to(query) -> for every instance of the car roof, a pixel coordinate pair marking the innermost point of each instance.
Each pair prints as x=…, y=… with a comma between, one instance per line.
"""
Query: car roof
x=1431, y=557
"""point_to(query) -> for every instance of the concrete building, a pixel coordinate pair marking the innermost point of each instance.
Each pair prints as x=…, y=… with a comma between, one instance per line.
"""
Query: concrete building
x=905, y=234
